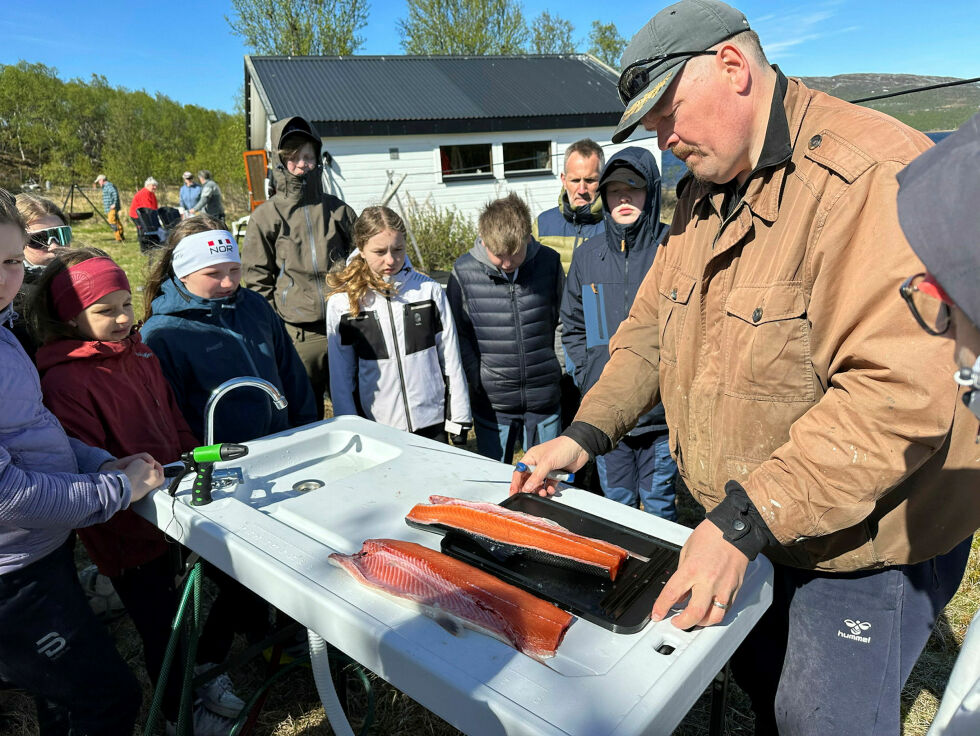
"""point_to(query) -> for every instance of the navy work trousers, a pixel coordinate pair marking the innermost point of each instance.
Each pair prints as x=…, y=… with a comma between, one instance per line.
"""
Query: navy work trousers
x=54, y=647
x=832, y=653
x=639, y=470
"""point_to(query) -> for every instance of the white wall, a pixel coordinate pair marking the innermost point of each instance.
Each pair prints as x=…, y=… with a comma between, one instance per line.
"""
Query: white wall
x=358, y=174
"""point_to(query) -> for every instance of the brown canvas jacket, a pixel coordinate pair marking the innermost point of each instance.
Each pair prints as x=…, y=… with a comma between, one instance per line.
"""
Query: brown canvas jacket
x=786, y=359
x=292, y=241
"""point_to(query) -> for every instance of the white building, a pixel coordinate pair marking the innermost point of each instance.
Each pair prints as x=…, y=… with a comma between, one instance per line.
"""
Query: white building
x=462, y=129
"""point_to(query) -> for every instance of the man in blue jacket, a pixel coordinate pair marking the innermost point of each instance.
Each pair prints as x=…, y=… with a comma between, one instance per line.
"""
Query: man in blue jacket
x=505, y=295
x=605, y=275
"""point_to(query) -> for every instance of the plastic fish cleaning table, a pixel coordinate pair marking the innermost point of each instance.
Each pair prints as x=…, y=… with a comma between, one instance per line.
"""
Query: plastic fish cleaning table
x=329, y=486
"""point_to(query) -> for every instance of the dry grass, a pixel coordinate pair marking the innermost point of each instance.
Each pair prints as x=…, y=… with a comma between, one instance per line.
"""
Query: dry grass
x=293, y=708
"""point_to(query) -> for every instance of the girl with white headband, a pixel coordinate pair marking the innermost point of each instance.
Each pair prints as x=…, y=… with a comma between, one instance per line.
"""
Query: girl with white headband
x=205, y=329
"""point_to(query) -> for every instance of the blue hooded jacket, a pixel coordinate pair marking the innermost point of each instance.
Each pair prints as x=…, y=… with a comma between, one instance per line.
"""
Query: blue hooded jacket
x=606, y=273
x=203, y=342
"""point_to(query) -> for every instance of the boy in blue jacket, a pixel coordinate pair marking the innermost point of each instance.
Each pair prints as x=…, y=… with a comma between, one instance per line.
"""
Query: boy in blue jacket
x=604, y=277
x=505, y=295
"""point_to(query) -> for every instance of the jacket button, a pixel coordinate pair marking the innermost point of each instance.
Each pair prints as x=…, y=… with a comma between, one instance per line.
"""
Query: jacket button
x=673, y=293
x=757, y=314
x=815, y=142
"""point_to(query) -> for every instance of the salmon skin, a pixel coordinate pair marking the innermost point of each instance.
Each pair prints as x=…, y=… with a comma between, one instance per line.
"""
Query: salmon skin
x=441, y=585
x=504, y=532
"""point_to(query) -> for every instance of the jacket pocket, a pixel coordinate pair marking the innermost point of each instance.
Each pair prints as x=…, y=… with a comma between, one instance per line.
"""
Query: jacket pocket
x=422, y=322
x=594, y=315
x=767, y=344
x=364, y=334
x=675, y=295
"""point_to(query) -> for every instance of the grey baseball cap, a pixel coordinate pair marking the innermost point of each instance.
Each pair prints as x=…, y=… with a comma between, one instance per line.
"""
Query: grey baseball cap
x=687, y=26
x=938, y=194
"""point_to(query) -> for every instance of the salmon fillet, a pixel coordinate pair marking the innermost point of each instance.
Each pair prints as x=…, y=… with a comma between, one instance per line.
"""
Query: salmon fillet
x=439, y=585
x=494, y=523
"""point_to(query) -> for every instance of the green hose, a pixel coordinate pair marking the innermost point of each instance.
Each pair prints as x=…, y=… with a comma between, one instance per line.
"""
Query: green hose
x=192, y=590
x=192, y=587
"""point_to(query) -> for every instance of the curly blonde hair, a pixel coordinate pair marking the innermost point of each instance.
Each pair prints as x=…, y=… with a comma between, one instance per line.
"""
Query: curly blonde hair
x=357, y=278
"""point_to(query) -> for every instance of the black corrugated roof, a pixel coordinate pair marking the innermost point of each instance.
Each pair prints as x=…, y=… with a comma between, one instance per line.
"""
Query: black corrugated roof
x=403, y=94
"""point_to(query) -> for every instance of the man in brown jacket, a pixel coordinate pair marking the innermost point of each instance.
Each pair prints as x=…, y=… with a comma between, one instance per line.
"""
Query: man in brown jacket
x=807, y=411
x=293, y=240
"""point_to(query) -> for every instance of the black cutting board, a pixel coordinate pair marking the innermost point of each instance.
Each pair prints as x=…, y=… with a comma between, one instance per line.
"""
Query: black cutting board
x=622, y=606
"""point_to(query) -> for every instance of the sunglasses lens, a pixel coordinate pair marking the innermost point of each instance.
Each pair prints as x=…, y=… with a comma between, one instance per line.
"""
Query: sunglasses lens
x=633, y=81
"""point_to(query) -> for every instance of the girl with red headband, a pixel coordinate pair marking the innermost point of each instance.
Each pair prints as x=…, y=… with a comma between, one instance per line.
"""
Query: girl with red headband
x=52, y=644
x=107, y=389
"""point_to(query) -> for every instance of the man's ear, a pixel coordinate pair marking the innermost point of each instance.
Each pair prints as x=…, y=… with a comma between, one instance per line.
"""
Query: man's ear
x=735, y=67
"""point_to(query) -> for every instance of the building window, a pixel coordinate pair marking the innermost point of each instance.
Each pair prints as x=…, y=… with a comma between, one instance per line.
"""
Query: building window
x=393, y=154
x=466, y=162
x=527, y=157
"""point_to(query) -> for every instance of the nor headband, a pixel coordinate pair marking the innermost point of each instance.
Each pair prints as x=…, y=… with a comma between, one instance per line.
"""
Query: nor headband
x=201, y=250
x=80, y=286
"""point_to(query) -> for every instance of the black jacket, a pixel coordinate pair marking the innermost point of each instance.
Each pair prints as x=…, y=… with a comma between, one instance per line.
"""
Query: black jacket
x=507, y=329
x=605, y=274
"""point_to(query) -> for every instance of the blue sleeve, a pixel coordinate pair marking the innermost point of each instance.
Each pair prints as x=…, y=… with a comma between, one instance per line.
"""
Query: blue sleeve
x=89, y=459
x=33, y=500
x=573, y=321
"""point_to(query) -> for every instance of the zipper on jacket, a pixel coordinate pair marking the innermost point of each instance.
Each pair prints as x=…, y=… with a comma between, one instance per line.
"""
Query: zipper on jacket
x=520, y=343
x=626, y=283
x=316, y=271
x=622, y=245
x=398, y=361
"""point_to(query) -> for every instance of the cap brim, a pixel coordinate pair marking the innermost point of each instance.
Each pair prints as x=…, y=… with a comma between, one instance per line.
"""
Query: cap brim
x=641, y=104
x=937, y=197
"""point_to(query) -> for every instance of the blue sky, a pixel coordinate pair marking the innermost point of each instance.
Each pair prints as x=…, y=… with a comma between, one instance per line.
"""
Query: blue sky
x=184, y=49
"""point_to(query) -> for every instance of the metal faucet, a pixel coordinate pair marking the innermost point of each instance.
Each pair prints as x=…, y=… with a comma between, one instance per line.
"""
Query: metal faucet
x=277, y=399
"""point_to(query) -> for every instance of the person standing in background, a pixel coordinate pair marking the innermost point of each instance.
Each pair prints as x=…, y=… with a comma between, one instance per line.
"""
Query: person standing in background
x=110, y=205
x=209, y=202
x=293, y=240
x=144, y=198
x=190, y=192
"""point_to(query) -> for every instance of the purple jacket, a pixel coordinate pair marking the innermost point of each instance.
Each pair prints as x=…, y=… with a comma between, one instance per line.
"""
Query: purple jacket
x=42, y=495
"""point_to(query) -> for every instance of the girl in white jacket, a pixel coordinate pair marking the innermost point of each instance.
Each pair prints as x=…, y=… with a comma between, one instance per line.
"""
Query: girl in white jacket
x=391, y=340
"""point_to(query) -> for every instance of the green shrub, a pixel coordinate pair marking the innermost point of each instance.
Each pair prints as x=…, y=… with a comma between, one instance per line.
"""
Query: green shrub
x=443, y=235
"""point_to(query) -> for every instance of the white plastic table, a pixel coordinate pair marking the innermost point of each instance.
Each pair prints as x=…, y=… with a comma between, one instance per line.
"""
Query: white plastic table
x=274, y=536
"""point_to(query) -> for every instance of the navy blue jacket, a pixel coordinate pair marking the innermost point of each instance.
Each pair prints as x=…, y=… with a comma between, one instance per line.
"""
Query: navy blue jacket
x=201, y=343
x=605, y=274
x=507, y=329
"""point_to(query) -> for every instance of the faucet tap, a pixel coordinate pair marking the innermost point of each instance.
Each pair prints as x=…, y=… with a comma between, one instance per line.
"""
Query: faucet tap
x=232, y=383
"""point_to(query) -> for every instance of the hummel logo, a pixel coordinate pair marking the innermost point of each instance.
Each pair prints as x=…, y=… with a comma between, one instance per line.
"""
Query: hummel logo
x=856, y=627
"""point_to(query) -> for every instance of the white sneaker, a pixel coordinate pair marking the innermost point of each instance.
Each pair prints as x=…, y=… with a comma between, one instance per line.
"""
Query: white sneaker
x=204, y=723
x=218, y=695
x=102, y=597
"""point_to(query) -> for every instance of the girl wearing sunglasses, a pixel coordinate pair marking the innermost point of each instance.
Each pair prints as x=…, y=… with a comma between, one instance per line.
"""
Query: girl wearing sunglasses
x=47, y=233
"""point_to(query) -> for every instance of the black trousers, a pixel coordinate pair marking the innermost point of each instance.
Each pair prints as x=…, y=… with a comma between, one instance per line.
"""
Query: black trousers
x=53, y=646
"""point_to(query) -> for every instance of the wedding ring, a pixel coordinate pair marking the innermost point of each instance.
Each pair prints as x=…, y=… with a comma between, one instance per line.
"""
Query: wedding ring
x=719, y=604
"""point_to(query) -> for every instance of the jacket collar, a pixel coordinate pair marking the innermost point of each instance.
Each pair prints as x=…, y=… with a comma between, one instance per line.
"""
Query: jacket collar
x=587, y=214
x=479, y=253
x=65, y=351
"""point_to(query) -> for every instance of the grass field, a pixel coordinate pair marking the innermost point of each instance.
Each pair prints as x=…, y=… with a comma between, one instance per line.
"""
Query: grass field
x=293, y=708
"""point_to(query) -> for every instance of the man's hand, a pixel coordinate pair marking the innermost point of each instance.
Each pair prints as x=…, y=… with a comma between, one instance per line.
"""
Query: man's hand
x=710, y=569
x=561, y=453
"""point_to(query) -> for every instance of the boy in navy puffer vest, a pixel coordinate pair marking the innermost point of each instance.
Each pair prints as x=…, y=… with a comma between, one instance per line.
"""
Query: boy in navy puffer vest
x=505, y=295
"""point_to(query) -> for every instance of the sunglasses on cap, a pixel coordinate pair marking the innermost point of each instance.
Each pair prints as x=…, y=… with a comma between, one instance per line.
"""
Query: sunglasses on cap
x=637, y=75
x=50, y=237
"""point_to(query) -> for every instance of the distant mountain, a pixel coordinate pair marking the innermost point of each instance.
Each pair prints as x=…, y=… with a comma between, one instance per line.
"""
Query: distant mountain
x=930, y=111
x=937, y=109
